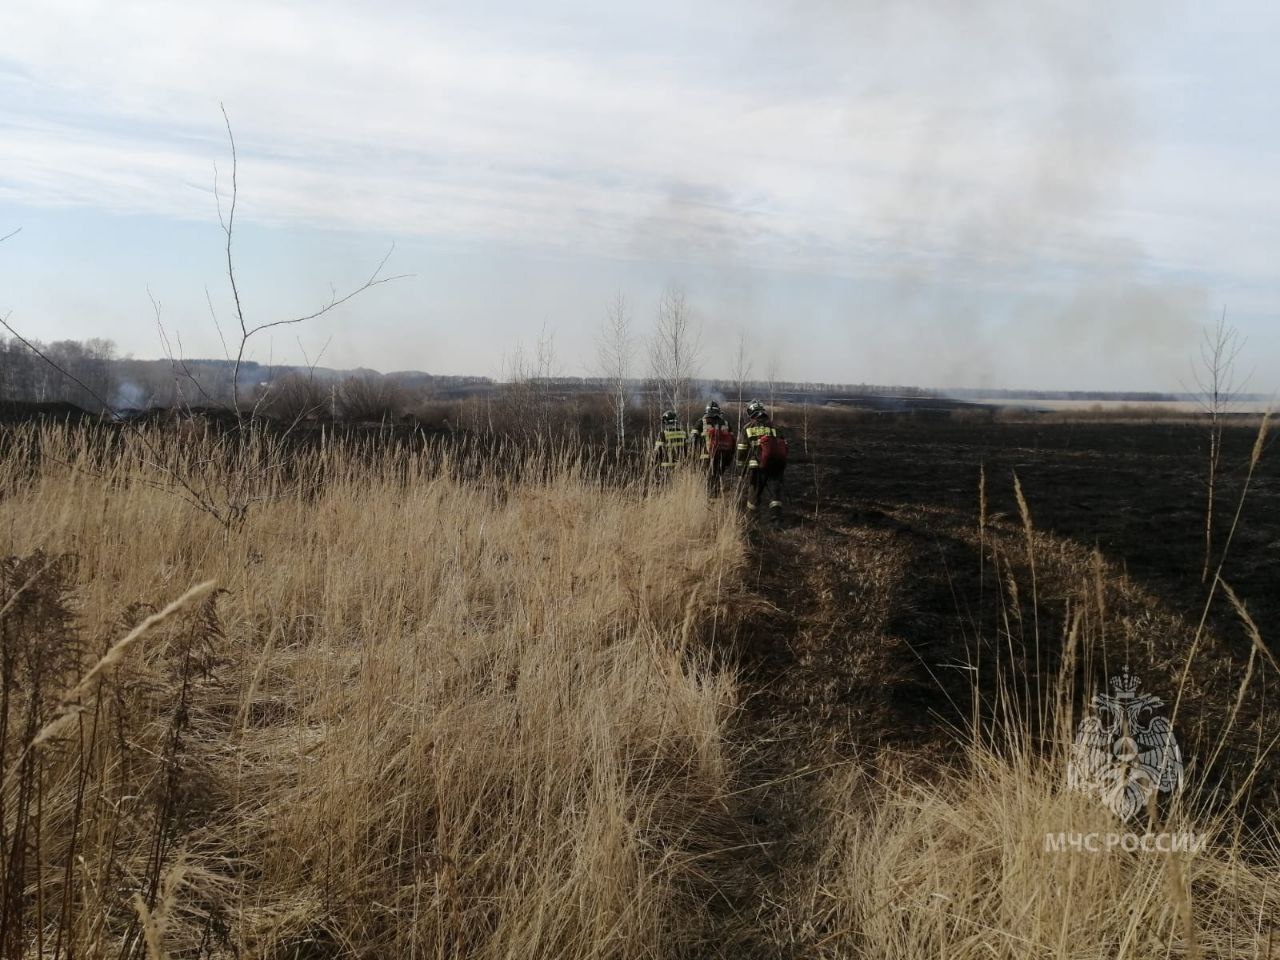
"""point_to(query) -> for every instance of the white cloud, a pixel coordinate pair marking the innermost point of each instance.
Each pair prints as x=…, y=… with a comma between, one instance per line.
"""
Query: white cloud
x=348, y=104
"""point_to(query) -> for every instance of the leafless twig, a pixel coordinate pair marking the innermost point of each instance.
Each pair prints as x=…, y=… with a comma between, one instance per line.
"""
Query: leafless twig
x=213, y=315
x=177, y=362
x=247, y=330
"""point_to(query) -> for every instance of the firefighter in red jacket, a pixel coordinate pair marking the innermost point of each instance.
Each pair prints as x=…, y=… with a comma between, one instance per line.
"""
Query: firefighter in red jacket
x=712, y=437
x=762, y=451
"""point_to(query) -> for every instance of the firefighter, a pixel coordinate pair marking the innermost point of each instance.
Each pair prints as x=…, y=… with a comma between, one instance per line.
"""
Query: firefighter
x=762, y=452
x=672, y=444
x=713, y=439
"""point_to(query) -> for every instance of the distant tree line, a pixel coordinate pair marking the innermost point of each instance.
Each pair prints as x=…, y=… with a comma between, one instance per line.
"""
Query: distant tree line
x=89, y=375
x=82, y=373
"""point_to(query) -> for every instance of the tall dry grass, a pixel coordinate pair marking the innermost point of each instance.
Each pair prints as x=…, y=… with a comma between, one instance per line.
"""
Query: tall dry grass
x=959, y=865
x=993, y=855
x=432, y=710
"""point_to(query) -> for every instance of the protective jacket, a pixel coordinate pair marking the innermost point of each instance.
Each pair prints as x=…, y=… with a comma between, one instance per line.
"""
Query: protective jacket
x=749, y=441
x=671, y=447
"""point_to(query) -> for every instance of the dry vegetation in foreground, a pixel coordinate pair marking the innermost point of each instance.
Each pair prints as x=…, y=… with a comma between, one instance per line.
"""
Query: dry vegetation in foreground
x=419, y=717
x=957, y=866
x=431, y=708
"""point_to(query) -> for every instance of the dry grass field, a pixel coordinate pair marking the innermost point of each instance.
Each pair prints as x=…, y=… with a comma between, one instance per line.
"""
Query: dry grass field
x=415, y=701
x=416, y=717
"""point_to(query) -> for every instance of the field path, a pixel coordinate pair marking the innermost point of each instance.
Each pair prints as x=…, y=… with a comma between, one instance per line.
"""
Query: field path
x=857, y=603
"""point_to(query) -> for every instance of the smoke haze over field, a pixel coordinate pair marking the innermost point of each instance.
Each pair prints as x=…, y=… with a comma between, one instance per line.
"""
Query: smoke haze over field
x=1054, y=195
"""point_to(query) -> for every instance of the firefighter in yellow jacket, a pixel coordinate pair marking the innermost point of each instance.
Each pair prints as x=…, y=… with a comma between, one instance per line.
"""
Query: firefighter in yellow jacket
x=672, y=445
x=762, y=452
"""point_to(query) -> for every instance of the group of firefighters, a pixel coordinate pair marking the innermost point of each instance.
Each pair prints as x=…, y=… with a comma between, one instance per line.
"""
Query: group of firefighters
x=757, y=455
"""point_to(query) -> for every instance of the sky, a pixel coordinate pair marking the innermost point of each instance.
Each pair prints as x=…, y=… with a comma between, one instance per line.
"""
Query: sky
x=994, y=193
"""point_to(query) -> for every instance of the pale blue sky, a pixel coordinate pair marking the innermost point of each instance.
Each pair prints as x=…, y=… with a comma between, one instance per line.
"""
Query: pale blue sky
x=1003, y=192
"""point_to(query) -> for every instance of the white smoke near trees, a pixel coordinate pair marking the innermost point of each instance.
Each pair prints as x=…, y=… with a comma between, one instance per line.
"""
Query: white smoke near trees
x=128, y=396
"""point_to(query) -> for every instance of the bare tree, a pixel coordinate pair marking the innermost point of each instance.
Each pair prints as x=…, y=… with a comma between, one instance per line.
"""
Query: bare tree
x=614, y=349
x=370, y=397
x=741, y=373
x=295, y=397
x=528, y=395
x=674, y=350
x=179, y=369
x=1219, y=384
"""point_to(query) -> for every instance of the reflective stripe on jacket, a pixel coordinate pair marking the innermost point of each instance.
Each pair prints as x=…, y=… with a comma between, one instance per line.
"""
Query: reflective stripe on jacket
x=671, y=447
x=750, y=445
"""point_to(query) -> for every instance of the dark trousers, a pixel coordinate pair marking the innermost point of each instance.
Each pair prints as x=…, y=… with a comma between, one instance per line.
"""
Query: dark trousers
x=764, y=486
x=719, y=470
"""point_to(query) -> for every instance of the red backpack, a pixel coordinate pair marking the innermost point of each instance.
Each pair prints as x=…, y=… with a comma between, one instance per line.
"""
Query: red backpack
x=719, y=440
x=773, y=451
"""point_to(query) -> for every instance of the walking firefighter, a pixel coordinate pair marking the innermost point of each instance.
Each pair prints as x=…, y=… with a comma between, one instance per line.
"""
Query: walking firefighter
x=672, y=444
x=762, y=451
x=713, y=440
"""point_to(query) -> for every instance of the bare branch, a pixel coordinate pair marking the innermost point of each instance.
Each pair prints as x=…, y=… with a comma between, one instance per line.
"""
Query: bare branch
x=182, y=362
x=179, y=362
x=228, y=225
x=311, y=366
x=213, y=315
x=246, y=332
x=336, y=301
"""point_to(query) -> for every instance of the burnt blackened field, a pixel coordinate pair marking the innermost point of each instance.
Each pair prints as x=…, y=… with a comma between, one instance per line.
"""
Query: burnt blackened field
x=902, y=604
x=1136, y=490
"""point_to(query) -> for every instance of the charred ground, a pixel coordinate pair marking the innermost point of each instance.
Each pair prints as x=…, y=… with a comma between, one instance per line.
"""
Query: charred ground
x=886, y=585
x=888, y=623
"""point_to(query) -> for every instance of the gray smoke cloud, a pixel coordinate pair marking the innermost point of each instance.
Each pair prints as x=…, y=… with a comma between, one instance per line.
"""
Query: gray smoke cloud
x=1019, y=126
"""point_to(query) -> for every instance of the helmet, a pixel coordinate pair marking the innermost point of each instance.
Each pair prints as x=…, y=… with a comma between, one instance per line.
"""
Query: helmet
x=756, y=410
x=670, y=417
x=713, y=408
